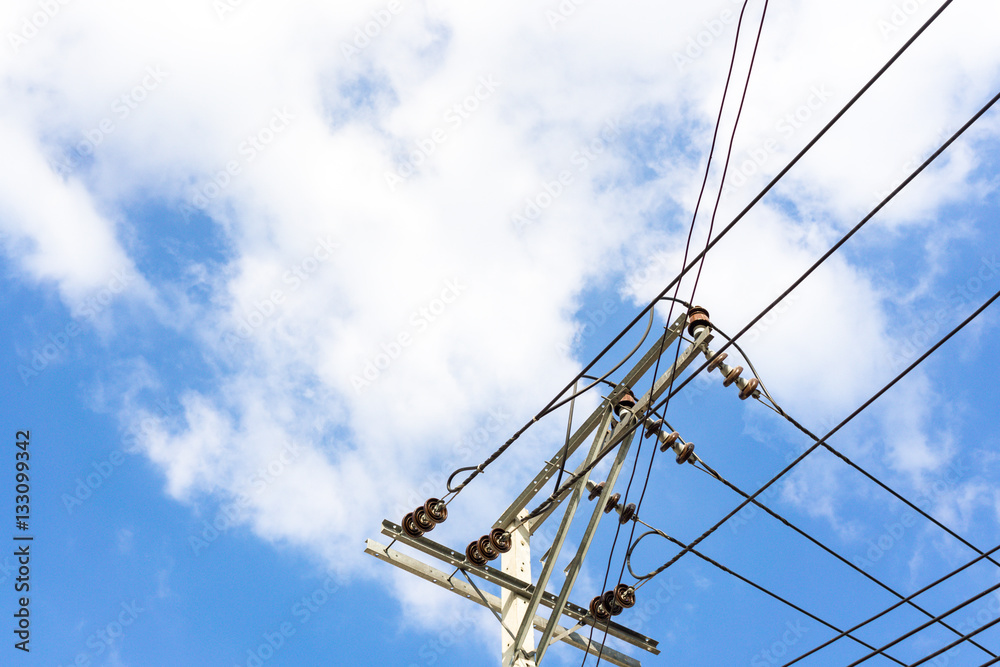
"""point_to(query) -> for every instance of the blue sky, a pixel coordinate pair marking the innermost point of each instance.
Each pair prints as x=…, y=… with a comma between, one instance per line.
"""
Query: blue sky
x=272, y=271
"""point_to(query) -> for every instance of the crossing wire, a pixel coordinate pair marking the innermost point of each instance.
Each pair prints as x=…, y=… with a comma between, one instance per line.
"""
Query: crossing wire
x=673, y=540
x=936, y=619
x=878, y=394
x=836, y=555
x=626, y=432
x=555, y=403
x=895, y=606
x=687, y=248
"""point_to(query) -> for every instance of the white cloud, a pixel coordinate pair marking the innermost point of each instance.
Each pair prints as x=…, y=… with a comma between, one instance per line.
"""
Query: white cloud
x=437, y=261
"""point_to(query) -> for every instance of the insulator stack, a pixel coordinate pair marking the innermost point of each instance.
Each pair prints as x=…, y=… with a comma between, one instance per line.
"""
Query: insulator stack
x=488, y=547
x=424, y=518
x=613, y=602
x=731, y=375
x=598, y=610
x=672, y=440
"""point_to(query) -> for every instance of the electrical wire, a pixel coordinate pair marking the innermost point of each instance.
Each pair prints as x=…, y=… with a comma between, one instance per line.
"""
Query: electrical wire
x=711, y=244
x=878, y=394
x=672, y=540
x=936, y=619
x=687, y=248
x=711, y=472
x=895, y=606
x=608, y=448
x=477, y=470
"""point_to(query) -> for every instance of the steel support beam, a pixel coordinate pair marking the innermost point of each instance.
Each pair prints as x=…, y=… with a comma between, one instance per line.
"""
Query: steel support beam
x=459, y=587
x=643, y=366
x=525, y=590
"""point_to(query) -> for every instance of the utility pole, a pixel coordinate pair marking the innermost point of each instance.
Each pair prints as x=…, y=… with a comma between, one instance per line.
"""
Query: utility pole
x=514, y=609
x=520, y=600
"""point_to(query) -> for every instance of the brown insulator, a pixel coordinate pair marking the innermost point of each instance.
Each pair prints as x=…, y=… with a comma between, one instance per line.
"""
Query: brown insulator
x=611, y=604
x=500, y=539
x=436, y=510
x=669, y=440
x=686, y=451
x=410, y=526
x=626, y=402
x=625, y=595
x=627, y=513
x=424, y=522
x=716, y=361
x=748, y=390
x=474, y=555
x=598, y=610
x=697, y=316
x=487, y=549
x=596, y=491
x=612, y=502
x=653, y=429
x=733, y=374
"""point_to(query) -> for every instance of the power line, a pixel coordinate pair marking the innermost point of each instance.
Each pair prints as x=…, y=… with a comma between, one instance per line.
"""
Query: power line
x=878, y=394
x=711, y=227
x=833, y=553
x=655, y=531
x=895, y=606
x=936, y=619
x=477, y=470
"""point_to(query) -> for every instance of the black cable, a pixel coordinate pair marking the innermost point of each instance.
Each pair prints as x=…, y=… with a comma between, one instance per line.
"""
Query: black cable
x=844, y=633
x=687, y=248
x=711, y=244
x=906, y=371
x=936, y=619
x=896, y=605
x=552, y=406
x=830, y=551
x=784, y=294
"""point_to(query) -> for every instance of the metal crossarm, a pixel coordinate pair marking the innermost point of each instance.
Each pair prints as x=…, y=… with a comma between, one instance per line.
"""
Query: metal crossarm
x=486, y=599
x=644, y=365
